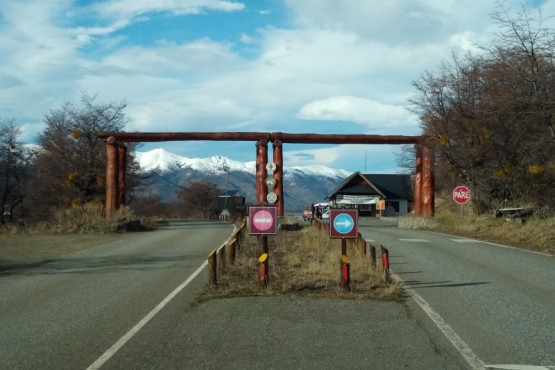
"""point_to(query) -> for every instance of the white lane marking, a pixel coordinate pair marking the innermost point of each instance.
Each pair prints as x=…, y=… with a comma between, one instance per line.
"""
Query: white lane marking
x=415, y=240
x=121, y=342
x=463, y=240
x=474, y=361
x=517, y=249
x=518, y=367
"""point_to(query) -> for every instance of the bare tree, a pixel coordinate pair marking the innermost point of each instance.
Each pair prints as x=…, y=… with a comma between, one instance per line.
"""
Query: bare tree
x=199, y=199
x=15, y=162
x=492, y=115
x=70, y=168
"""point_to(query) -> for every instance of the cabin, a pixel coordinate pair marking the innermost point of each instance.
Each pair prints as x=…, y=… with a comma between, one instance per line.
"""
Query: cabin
x=367, y=192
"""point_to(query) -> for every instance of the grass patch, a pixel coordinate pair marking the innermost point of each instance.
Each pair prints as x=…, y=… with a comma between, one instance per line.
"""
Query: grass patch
x=536, y=233
x=304, y=263
x=88, y=218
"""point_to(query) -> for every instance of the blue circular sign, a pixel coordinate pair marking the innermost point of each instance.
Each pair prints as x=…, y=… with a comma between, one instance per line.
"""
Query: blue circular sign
x=343, y=223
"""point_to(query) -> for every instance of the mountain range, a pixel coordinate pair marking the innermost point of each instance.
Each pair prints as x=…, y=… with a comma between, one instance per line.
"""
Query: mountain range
x=167, y=172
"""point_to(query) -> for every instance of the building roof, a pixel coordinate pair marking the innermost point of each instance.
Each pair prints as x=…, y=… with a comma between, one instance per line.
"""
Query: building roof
x=387, y=186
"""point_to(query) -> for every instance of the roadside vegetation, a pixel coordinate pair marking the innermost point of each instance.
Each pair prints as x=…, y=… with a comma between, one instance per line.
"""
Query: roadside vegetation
x=87, y=218
x=536, y=232
x=305, y=263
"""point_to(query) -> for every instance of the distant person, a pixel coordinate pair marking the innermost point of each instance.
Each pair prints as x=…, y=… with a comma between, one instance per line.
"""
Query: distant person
x=312, y=209
x=319, y=212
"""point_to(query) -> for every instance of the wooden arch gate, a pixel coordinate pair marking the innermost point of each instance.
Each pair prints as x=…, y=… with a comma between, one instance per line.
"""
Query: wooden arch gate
x=116, y=160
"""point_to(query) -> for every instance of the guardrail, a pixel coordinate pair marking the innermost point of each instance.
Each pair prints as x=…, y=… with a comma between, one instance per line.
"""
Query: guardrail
x=221, y=256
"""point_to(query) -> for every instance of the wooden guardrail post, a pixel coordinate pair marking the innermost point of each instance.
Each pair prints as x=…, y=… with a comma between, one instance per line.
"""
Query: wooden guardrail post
x=373, y=256
x=212, y=268
x=231, y=251
x=362, y=244
x=385, y=261
x=221, y=260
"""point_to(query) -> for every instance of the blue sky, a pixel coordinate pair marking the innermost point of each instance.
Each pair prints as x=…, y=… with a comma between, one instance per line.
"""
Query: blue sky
x=310, y=66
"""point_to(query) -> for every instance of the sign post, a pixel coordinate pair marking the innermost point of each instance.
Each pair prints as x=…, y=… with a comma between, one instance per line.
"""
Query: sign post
x=461, y=195
x=263, y=222
x=344, y=225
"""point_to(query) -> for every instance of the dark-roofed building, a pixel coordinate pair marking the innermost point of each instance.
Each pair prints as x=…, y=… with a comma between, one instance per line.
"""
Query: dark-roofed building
x=365, y=191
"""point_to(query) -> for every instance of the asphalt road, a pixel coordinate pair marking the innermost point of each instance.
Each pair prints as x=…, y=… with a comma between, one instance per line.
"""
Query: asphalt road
x=88, y=310
x=500, y=301
x=65, y=313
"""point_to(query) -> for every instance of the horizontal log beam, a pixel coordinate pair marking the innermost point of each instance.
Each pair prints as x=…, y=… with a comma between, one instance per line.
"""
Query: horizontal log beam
x=345, y=138
x=306, y=138
x=184, y=136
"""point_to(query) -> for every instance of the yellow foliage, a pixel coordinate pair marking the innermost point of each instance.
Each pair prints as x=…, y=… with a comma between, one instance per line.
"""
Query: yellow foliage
x=75, y=134
x=535, y=169
x=498, y=174
x=443, y=140
x=75, y=203
x=100, y=180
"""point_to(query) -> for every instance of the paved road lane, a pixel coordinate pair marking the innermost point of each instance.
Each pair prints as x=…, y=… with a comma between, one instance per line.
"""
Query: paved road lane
x=63, y=314
x=500, y=301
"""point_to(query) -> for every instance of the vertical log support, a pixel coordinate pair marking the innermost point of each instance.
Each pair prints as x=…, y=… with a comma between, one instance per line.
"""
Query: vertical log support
x=261, y=193
x=122, y=175
x=418, y=181
x=111, y=177
x=278, y=176
x=428, y=206
x=261, y=162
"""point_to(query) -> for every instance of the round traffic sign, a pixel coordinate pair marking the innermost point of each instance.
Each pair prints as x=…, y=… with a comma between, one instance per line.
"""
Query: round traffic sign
x=263, y=220
x=271, y=197
x=461, y=194
x=270, y=180
x=271, y=166
x=343, y=223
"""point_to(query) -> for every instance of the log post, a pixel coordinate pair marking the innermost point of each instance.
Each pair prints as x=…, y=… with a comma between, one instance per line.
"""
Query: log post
x=278, y=176
x=111, y=177
x=261, y=162
x=418, y=181
x=122, y=175
x=428, y=182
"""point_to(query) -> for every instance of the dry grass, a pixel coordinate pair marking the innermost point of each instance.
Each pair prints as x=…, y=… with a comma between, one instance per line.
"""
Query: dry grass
x=88, y=218
x=537, y=233
x=304, y=262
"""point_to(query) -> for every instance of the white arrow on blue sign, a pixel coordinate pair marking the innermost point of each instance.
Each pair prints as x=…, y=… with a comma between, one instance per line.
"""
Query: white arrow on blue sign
x=343, y=223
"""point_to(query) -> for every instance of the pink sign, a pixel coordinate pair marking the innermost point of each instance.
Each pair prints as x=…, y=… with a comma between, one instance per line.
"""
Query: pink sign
x=263, y=220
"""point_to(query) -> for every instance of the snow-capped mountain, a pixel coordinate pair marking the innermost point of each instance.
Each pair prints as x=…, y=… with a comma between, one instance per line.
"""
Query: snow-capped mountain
x=161, y=159
x=302, y=184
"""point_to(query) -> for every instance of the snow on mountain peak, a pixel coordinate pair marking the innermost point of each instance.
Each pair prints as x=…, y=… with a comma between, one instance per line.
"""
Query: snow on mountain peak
x=163, y=160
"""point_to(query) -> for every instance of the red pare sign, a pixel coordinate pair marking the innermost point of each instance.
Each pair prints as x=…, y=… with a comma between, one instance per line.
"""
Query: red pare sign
x=461, y=194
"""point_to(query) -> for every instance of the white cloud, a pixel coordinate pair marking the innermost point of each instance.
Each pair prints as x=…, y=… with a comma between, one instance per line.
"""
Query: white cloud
x=357, y=110
x=341, y=60
x=128, y=9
